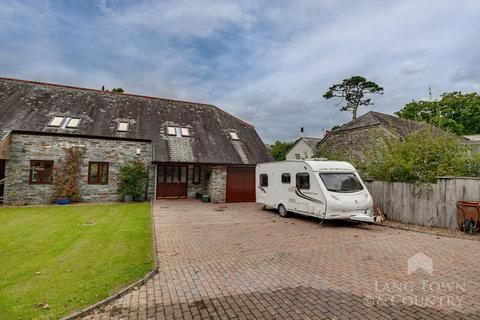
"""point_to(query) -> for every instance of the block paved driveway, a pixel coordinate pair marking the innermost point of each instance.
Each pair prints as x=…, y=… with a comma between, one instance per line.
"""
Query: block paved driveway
x=236, y=261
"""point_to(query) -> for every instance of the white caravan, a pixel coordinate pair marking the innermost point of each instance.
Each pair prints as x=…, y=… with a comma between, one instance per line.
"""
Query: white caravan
x=314, y=187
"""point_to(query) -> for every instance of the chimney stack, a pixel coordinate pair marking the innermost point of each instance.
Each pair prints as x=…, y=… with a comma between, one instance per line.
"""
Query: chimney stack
x=301, y=132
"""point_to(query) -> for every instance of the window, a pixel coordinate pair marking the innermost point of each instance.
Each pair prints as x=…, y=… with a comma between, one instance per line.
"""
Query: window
x=171, y=131
x=285, y=177
x=196, y=175
x=56, y=121
x=183, y=174
x=98, y=172
x=41, y=171
x=303, y=180
x=297, y=156
x=341, y=182
x=175, y=177
x=264, y=180
x=185, y=132
x=234, y=135
x=123, y=126
x=73, y=123
x=172, y=174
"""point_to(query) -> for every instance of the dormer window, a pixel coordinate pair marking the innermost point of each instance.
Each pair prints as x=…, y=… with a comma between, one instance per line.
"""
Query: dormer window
x=234, y=135
x=73, y=123
x=123, y=126
x=56, y=121
x=171, y=131
x=185, y=132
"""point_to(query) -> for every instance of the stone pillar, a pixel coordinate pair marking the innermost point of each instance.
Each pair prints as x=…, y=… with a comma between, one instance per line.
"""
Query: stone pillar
x=217, y=185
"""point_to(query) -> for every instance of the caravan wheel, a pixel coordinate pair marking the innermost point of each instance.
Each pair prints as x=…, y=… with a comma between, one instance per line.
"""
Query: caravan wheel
x=282, y=211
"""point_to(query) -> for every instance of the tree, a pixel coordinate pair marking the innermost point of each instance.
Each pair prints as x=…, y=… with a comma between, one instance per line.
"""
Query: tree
x=118, y=90
x=454, y=112
x=352, y=93
x=279, y=149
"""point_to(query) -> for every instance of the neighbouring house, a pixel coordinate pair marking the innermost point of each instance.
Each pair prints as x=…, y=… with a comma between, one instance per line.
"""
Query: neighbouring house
x=367, y=131
x=190, y=149
x=303, y=148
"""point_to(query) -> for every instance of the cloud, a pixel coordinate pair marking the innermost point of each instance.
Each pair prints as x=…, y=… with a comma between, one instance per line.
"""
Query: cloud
x=180, y=18
x=268, y=62
x=411, y=67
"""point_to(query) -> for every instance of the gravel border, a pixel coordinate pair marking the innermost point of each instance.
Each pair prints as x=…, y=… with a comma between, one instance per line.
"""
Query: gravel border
x=437, y=231
x=85, y=311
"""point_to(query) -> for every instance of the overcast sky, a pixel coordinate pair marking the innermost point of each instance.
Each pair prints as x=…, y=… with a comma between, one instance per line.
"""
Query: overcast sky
x=267, y=62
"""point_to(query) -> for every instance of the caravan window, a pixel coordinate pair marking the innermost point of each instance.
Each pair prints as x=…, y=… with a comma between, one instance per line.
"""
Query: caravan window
x=264, y=180
x=285, y=177
x=341, y=182
x=303, y=180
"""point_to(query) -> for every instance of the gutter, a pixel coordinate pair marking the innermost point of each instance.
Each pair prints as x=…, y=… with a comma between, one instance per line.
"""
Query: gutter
x=73, y=135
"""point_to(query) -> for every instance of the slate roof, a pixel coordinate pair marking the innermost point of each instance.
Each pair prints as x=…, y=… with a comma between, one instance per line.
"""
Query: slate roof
x=30, y=106
x=311, y=142
x=399, y=126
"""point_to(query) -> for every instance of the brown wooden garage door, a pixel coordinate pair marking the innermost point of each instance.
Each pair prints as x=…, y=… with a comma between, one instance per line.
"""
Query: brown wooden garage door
x=241, y=184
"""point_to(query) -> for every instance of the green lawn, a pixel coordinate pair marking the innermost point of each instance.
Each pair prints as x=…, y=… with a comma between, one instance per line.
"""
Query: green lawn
x=70, y=256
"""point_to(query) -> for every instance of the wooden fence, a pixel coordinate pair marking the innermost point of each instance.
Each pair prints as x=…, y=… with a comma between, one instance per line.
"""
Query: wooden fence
x=428, y=204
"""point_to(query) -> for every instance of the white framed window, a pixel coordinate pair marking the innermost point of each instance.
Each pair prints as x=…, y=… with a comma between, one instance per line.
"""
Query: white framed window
x=56, y=121
x=234, y=135
x=185, y=132
x=123, y=126
x=297, y=156
x=73, y=123
x=171, y=131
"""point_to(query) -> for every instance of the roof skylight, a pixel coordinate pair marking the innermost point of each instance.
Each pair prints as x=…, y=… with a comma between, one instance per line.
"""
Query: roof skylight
x=234, y=135
x=73, y=123
x=171, y=131
x=56, y=121
x=123, y=126
x=185, y=132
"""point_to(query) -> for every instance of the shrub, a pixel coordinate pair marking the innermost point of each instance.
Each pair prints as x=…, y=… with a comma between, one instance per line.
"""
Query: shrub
x=66, y=175
x=133, y=179
x=421, y=157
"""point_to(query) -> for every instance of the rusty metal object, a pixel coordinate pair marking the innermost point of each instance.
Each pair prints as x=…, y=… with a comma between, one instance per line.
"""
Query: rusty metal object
x=468, y=213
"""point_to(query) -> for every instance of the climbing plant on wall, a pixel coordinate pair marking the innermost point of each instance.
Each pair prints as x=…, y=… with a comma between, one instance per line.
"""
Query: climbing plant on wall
x=66, y=175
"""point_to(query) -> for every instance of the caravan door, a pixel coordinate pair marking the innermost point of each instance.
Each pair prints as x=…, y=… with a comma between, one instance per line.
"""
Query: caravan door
x=309, y=200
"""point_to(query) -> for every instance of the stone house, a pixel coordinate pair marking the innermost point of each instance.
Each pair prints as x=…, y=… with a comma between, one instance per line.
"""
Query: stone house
x=303, y=148
x=189, y=149
x=366, y=132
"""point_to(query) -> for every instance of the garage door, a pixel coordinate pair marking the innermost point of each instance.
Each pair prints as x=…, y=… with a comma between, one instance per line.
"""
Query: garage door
x=241, y=184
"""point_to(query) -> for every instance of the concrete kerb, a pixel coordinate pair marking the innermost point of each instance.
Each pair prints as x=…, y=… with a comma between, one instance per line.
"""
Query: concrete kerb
x=81, y=313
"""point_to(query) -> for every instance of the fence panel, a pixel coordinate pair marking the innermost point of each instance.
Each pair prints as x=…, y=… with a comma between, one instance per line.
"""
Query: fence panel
x=426, y=203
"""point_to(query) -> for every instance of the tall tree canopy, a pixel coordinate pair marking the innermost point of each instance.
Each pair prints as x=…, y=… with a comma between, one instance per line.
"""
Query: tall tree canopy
x=455, y=112
x=279, y=150
x=352, y=93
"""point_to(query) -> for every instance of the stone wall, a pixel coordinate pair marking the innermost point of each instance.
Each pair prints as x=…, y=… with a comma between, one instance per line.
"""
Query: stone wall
x=217, y=184
x=202, y=187
x=26, y=147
